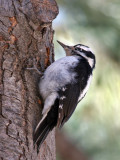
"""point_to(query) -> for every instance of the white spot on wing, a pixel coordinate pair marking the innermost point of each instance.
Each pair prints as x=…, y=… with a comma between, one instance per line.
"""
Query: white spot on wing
x=85, y=89
x=64, y=88
x=59, y=115
x=63, y=97
x=61, y=106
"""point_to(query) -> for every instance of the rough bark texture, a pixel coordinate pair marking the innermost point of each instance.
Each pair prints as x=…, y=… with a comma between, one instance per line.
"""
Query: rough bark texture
x=26, y=37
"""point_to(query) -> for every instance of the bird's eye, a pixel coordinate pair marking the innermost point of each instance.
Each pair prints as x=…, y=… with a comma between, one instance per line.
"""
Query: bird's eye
x=76, y=49
x=79, y=49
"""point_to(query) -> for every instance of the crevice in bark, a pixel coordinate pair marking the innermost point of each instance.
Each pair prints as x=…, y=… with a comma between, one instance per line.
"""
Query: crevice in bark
x=3, y=23
x=25, y=105
x=11, y=97
x=7, y=126
x=1, y=79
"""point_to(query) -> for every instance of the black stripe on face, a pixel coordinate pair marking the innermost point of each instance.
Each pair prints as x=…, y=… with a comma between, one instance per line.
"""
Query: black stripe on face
x=89, y=54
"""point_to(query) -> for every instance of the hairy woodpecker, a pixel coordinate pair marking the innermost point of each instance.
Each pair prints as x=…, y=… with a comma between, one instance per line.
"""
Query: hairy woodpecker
x=64, y=84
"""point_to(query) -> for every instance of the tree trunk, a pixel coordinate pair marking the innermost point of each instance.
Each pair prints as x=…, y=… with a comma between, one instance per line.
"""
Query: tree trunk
x=26, y=37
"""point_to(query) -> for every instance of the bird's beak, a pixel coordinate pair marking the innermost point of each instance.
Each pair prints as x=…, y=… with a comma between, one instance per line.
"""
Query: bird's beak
x=68, y=49
x=63, y=45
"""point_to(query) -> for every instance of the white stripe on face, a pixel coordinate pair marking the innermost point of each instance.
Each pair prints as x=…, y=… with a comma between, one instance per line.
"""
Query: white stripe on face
x=84, y=48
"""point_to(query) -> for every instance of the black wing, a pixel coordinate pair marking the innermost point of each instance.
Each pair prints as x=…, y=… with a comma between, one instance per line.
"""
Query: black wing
x=67, y=102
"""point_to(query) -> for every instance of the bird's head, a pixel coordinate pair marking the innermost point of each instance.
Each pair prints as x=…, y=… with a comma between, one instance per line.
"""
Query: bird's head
x=80, y=50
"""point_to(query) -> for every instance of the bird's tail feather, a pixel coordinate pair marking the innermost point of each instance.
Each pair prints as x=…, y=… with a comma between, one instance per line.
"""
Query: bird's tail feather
x=46, y=125
x=41, y=132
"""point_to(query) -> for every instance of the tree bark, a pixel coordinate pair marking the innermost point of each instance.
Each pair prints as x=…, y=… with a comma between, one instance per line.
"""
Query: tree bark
x=26, y=37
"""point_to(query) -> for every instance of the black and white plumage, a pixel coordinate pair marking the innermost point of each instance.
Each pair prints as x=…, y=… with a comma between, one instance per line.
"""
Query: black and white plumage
x=64, y=84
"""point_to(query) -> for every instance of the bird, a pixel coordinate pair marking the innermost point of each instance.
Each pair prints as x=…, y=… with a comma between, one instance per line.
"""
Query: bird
x=63, y=85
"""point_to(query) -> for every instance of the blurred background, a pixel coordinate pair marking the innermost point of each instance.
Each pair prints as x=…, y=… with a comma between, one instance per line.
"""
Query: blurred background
x=94, y=128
